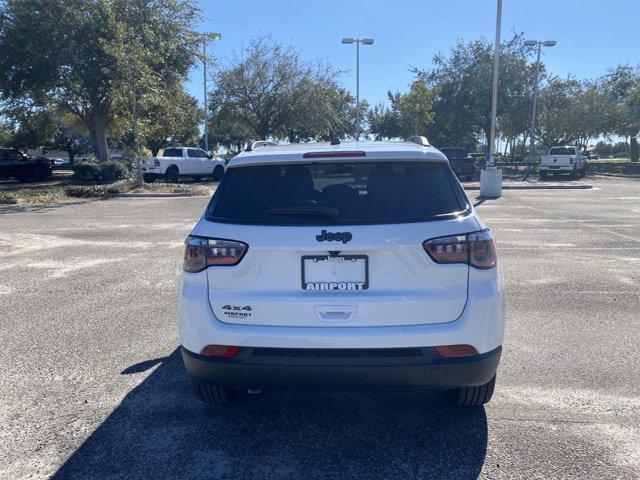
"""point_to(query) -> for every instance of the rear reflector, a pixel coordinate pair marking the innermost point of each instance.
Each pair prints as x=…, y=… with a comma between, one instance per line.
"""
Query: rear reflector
x=220, y=351
x=456, y=351
x=333, y=154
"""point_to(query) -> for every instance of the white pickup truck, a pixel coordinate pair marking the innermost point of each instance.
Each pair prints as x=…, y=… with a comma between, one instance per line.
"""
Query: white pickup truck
x=175, y=162
x=566, y=159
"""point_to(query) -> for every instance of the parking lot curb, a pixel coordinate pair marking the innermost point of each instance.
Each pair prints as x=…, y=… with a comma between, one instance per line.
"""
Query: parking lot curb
x=539, y=187
x=156, y=195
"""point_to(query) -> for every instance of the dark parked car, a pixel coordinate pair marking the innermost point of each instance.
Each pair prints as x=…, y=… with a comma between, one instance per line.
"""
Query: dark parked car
x=462, y=164
x=15, y=164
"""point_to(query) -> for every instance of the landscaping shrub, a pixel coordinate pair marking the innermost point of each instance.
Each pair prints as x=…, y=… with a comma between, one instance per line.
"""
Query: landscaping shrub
x=114, y=170
x=86, y=172
x=8, y=198
x=91, y=191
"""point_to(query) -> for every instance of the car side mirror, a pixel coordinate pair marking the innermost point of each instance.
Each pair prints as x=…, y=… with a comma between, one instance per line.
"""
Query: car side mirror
x=209, y=156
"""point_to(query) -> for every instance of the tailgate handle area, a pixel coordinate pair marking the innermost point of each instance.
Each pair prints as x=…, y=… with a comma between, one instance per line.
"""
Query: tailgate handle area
x=335, y=313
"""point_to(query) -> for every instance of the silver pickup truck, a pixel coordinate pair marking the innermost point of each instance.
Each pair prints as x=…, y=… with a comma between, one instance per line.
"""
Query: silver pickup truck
x=566, y=159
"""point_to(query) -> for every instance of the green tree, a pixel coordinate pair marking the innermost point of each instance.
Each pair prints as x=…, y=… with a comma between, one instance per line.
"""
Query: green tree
x=464, y=79
x=78, y=54
x=556, y=107
x=270, y=92
x=408, y=114
x=621, y=88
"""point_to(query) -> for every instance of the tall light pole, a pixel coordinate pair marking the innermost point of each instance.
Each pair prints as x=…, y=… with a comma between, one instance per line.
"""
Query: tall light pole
x=539, y=44
x=358, y=41
x=491, y=177
x=207, y=37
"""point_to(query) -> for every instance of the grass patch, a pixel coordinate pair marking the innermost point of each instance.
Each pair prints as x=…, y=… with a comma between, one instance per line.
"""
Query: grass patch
x=181, y=188
x=610, y=160
x=91, y=191
x=33, y=196
x=65, y=193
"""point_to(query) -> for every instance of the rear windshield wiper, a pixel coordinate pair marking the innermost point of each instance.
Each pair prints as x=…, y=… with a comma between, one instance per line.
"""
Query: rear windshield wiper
x=306, y=212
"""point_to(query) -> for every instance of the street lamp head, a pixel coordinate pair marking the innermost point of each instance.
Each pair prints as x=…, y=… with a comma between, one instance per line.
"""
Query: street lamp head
x=348, y=40
x=530, y=43
x=550, y=43
x=367, y=41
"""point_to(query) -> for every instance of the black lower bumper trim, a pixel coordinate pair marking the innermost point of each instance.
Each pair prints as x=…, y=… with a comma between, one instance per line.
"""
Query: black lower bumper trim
x=427, y=370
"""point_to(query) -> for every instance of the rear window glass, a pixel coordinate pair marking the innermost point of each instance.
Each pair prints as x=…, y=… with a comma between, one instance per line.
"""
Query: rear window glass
x=172, y=152
x=562, y=151
x=337, y=193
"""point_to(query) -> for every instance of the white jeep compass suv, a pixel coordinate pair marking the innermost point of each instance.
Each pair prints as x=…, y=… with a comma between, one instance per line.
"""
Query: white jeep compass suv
x=341, y=267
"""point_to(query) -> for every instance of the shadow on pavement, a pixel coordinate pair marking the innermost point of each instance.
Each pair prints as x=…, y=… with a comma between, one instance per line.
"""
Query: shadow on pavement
x=20, y=208
x=161, y=431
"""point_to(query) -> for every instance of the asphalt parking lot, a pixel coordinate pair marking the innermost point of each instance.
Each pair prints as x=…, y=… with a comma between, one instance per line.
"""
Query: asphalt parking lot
x=91, y=384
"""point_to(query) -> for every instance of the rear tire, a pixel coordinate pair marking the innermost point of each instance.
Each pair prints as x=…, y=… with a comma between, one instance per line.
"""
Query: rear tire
x=574, y=174
x=216, y=394
x=218, y=172
x=148, y=178
x=583, y=172
x=172, y=175
x=40, y=175
x=474, y=396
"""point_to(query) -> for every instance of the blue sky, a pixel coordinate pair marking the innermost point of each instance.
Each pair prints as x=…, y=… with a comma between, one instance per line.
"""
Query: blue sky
x=592, y=35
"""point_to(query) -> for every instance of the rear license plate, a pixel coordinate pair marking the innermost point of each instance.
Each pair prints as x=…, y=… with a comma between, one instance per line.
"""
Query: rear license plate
x=340, y=272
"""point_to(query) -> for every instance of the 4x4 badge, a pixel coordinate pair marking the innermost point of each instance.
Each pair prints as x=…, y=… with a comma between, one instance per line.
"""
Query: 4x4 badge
x=343, y=237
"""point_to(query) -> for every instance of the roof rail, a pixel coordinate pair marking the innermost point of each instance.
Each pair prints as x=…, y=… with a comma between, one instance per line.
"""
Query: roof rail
x=419, y=140
x=258, y=144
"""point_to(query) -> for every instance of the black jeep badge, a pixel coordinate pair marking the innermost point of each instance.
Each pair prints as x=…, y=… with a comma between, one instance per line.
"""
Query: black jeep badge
x=343, y=237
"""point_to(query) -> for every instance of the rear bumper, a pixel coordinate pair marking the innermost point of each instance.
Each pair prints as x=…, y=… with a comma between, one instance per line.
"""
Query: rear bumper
x=342, y=369
x=556, y=168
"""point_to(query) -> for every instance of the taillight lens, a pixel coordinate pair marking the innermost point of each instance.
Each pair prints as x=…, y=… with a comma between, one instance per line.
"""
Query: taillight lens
x=156, y=162
x=203, y=252
x=476, y=249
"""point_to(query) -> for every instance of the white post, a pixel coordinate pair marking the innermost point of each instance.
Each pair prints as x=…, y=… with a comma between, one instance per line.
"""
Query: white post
x=535, y=101
x=491, y=177
x=357, y=89
x=206, y=107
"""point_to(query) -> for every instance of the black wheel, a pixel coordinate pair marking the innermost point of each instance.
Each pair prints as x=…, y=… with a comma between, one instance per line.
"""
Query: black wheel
x=148, y=177
x=172, y=175
x=40, y=174
x=583, y=172
x=217, y=173
x=574, y=174
x=216, y=394
x=474, y=396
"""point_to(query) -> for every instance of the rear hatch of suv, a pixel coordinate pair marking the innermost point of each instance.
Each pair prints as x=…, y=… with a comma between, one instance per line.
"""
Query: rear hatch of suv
x=337, y=244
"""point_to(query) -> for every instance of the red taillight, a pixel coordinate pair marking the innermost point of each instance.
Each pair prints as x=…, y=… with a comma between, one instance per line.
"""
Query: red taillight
x=456, y=351
x=333, y=154
x=202, y=252
x=156, y=162
x=475, y=249
x=220, y=351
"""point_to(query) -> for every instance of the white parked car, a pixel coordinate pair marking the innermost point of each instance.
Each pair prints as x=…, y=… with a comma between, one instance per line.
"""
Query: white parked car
x=175, y=162
x=341, y=267
x=567, y=159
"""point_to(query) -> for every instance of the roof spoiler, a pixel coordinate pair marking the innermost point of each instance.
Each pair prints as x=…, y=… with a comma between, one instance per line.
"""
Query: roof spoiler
x=260, y=143
x=422, y=141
